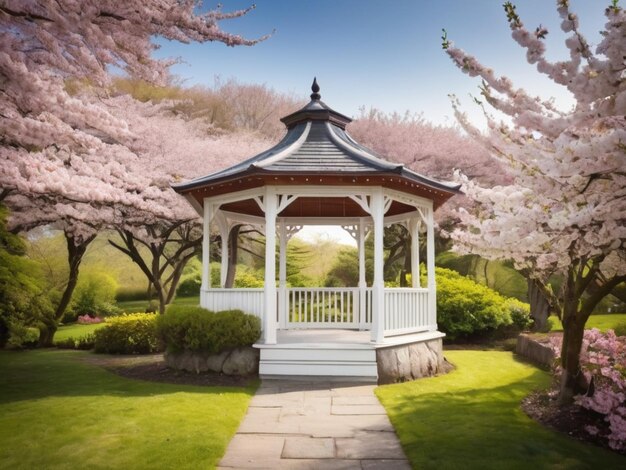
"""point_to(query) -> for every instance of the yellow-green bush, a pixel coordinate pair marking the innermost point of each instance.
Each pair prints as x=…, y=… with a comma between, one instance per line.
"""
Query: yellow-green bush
x=185, y=328
x=468, y=309
x=128, y=334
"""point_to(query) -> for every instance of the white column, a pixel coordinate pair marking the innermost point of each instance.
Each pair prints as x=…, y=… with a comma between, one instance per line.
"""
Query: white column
x=430, y=264
x=282, y=276
x=414, y=228
x=208, y=211
x=223, y=225
x=269, y=314
x=206, y=246
x=362, y=280
x=378, y=292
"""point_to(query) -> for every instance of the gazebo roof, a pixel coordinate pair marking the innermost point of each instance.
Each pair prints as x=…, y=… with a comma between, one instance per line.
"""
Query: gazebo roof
x=317, y=145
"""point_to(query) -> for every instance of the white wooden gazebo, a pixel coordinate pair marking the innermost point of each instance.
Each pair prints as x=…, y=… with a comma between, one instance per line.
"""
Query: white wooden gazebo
x=318, y=175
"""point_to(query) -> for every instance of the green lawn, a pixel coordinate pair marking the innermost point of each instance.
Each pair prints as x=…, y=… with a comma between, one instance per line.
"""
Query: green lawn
x=76, y=330
x=59, y=412
x=132, y=306
x=471, y=419
x=602, y=322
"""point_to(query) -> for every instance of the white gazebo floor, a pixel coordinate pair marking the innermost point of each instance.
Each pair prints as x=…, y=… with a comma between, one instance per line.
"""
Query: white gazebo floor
x=341, y=338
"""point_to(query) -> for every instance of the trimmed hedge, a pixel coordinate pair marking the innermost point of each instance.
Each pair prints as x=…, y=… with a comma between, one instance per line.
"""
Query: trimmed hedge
x=195, y=329
x=128, y=334
x=467, y=309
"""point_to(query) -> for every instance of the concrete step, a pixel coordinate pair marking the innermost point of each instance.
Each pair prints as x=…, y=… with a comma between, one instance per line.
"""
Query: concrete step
x=298, y=361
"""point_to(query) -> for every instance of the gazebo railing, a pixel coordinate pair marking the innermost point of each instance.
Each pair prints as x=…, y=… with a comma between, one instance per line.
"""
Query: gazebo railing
x=247, y=300
x=326, y=307
x=406, y=311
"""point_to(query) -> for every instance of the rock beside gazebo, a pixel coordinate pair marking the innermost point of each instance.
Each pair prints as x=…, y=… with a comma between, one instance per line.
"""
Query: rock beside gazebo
x=239, y=361
x=404, y=362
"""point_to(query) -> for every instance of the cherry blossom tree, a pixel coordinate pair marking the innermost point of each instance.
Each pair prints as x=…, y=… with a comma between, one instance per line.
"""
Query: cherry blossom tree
x=64, y=157
x=565, y=212
x=170, y=148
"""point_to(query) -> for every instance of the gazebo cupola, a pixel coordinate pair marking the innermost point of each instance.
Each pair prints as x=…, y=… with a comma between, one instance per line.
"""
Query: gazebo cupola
x=319, y=175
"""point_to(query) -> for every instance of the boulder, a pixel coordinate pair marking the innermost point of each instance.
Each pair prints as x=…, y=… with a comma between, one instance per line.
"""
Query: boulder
x=242, y=361
x=216, y=362
x=410, y=361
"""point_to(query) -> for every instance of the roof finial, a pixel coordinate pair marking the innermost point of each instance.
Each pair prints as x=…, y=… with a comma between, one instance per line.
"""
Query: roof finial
x=315, y=88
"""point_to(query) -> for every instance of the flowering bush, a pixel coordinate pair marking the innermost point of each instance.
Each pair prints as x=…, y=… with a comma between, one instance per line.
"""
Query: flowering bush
x=603, y=361
x=88, y=320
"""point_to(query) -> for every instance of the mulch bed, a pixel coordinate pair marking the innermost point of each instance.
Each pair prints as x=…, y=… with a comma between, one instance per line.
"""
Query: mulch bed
x=571, y=420
x=152, y=368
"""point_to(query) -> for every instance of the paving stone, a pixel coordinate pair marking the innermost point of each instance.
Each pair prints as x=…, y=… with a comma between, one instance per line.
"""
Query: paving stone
x=277, y=399
x=308, y=448
x=340, y=425
x=352, y=391
x=252, y=425
x=252, y=450
x=270, y=414
x=385, y=464
x=356, y=400
x=310, y=425
x=312, y=406
x=319, y=464
x=370, y=445
x=358, y=410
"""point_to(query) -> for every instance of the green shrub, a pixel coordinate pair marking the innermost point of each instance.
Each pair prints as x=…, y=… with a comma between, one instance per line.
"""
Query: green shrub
x=620, y=329
x=520, y=313
x=186, y=328
x=128, y=334
x=94, y=295
x=246, y=278
x=467, y=309
x=86, y=342
x=190, y=286
x=22, y=337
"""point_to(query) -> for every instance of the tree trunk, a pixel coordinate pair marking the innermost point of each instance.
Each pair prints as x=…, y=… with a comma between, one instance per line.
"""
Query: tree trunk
x=75, y=252
x=573, y=317
x=539, y=306
x=233, y=245
x=573, y=381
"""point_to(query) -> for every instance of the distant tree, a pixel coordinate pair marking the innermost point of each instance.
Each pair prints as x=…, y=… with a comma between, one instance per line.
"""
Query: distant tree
x=565, y=212
x=168, y=147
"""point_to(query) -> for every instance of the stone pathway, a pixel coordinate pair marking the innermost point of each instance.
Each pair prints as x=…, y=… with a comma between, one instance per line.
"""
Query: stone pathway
x=313, y=425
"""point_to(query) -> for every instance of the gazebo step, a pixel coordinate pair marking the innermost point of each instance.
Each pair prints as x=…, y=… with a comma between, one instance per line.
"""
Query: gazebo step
x=319, y=361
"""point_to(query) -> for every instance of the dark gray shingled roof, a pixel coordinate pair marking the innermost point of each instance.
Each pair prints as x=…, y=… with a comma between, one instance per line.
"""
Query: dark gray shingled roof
x=316, y=142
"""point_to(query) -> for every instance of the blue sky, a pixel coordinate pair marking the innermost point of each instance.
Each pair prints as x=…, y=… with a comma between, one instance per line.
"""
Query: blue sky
x=379, y=54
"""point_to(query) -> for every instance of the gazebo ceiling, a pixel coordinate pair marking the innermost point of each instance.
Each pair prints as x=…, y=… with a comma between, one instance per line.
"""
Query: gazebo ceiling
x=335, y=207
x=316, y=151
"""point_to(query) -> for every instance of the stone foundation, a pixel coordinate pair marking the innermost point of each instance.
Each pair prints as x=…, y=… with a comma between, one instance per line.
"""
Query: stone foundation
x=239, y=361
x=411, y=361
